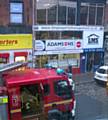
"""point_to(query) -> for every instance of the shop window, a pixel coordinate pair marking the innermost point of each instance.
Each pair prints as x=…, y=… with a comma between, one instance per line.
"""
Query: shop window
x=4, y=58
x=47, y=35
x=20, y=58
x=72, y=35
x=65, y=60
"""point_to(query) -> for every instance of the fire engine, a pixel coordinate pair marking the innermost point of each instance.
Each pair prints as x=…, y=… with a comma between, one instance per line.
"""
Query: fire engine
x=29, y=93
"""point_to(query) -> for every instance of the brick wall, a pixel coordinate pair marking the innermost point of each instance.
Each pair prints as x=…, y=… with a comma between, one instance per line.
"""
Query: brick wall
x=4, y=12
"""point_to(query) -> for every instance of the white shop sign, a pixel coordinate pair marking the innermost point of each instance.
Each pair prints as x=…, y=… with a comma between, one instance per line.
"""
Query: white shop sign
x=54, y=45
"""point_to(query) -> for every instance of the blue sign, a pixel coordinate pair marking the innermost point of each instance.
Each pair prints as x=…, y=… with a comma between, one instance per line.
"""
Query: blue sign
x=94, y=50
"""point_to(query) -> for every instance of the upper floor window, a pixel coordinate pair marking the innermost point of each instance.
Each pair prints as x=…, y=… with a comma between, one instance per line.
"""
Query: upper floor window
x=16, y=12
x=91, y=14
x=56, y=12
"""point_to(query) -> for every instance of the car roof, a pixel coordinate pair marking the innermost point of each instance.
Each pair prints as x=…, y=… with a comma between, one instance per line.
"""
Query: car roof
x=104, y=67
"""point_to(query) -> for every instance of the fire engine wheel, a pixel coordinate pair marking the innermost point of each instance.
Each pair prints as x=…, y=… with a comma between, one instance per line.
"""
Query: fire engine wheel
x=72, y=118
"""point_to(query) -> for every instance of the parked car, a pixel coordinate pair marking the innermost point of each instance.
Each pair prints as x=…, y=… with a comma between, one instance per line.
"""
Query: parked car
x=101, y=74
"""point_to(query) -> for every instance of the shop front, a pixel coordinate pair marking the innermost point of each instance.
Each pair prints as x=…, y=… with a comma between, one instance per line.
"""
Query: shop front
x=64, y=45
x=59, y=53
x=13, y=48
x=93, y=55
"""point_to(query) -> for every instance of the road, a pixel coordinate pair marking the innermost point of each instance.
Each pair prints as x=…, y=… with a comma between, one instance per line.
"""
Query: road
x=92, y=99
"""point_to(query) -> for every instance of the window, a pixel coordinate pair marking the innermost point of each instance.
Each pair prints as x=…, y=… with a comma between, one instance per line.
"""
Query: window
x=4, y=58
x=71, y=15
x=46, y=89
x=61, y=14
x=41, y=16
x=84, y=15
x=92, y=15
x=99, y=16
x=62, y=89
x=16, y=12
x=72, y=35
x=52, y=15
x=47, y=35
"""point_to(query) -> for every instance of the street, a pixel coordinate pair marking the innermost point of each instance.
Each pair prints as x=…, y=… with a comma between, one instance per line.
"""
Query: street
x=92, y=99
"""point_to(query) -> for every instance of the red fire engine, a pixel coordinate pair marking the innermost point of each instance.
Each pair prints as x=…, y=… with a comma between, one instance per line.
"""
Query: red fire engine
x=27, y=93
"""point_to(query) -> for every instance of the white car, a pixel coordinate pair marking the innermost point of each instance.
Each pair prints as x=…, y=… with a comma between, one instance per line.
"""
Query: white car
x=101, y=74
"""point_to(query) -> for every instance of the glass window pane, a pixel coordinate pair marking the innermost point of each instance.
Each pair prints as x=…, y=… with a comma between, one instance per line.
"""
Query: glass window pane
x=99, y=15
x=61, y=14
x=83, y=15
x=92, y=15
x=47, y=35
x=16, y=7
x=72, y=34
x=16, y=18
x=71, y=15
x=61, y=89
x=41, y=16
x=52, y=15
x=46, y=89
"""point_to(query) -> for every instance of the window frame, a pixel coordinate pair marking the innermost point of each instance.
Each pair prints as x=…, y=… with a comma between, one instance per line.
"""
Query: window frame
x=19, y=11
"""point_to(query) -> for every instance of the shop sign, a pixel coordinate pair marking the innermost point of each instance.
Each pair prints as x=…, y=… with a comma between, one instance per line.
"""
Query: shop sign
x=65, y=28
x=94, y=50
x=15, y=41
x=54, y=45
x=93, y=39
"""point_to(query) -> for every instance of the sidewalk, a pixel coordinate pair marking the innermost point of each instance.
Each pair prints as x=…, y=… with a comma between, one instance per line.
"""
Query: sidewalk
x=83, y=78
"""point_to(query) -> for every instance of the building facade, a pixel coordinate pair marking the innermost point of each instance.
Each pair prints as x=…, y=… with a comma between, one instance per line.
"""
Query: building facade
x=70, y=22
x=15, y=29
x=69, y=32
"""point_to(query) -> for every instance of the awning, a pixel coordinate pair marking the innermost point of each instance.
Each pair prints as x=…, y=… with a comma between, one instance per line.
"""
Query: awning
x=4, y=55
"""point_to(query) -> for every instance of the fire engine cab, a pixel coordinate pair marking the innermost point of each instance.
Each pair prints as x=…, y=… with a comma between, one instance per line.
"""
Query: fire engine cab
x=29, y=94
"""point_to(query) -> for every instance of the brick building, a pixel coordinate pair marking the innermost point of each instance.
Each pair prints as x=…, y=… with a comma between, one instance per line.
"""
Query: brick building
x=16, y=16
x=15, y=29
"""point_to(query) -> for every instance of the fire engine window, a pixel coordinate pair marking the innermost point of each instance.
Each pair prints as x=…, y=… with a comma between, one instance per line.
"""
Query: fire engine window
x=31, y=100
x=46, y=89
x=62, y=89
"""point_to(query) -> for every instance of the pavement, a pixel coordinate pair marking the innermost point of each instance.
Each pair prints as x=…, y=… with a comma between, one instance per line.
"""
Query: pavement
x=83, y=78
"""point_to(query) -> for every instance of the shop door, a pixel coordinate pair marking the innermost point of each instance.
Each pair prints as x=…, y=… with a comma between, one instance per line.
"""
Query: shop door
x=32, y=102
x=90, y=61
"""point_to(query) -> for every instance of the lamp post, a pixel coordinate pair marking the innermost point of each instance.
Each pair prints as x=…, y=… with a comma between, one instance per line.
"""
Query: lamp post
x=33, y=32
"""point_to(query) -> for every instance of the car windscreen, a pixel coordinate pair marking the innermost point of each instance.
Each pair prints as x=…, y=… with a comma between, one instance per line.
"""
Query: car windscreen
x=102, y=71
